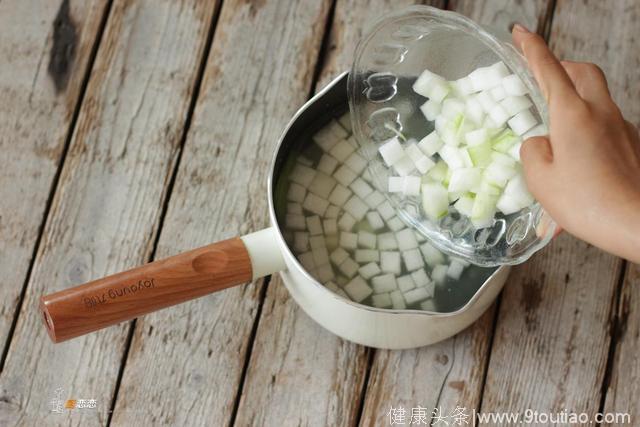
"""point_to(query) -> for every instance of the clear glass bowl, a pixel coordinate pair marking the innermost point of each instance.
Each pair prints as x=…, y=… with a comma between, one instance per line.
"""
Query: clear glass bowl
x=387, y=62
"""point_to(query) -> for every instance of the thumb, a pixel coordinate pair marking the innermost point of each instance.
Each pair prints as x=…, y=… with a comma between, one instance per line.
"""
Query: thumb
x=536, y=157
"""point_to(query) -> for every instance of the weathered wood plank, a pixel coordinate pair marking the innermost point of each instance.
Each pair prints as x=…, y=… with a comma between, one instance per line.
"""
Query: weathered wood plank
x=107, y=206
x=624, y=388
x=41, y=74
x=449, y=374
x=189, y=360
x=553, y=333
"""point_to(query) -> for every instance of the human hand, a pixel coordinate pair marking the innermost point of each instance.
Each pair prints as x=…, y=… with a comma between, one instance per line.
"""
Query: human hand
x=586, y=173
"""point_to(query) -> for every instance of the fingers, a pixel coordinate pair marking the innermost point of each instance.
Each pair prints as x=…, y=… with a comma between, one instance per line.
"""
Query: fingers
x=536, y=156
x=589, y=81
x=550, y=75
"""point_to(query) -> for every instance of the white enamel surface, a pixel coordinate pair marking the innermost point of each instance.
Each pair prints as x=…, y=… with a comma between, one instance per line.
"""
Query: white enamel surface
x=264, y=251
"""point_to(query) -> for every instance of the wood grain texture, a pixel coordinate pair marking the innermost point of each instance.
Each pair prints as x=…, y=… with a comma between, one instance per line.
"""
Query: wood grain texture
x=126, y=295
x=189, y=360
x=35, y=115
x=105, y=211
x=299, y=373
x=559, y=309
x=449, y=374
x=624, y=387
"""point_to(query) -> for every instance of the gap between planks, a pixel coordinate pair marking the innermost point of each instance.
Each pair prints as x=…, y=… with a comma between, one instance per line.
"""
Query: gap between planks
x=165, y=205
x=56, y=178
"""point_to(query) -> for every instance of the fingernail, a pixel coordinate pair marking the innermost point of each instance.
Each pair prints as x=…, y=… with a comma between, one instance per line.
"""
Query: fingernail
x=520, y=28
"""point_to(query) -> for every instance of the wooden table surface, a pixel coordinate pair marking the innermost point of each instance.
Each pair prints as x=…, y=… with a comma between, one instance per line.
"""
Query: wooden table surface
x=131, y=130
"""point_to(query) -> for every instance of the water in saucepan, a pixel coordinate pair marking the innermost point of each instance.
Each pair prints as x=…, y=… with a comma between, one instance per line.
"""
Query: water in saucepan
x=345, y=233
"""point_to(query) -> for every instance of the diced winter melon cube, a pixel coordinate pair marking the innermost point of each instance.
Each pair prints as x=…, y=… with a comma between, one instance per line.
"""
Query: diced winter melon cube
x=320, y=255
x=463, y=86
x=356, y=207
x=404, y=166
x=515, y=151
x=296, y=192
x=332, y=212
x=339, y=195
x=317, y=242
x=431, y=255
x=483, y=211
x=540, y=130
x=439, y=90
x=327, y=164
x=325, y=273
x=342, y=150
x=330, y=226
x=420, y=277
x=464, y=179
x=504, y=140
x=385, y=210
x=391, y=151
x=424, y=164
x=348, y=240
x=514, y=104
x=366, y=239
x=513, y=85
x=315, y=204
x=522, y=122
x=302, y=175
x=381, y=300
x=498, y=174
x=384, y=283
x=395, y=224
x=295, y=222
x=415, y=295
x=387, y=241
x=455, y=269
x=329, y=135
x=498, y=93
x=430, y=109
x=306, y=260
x=345, y=121
x=435, y=200
x=346, y=222
x=508, y=204
x=361, y=188
x=338, y=256
x=363, y=256
x=439, y=171
x=423, y=83
x=356, y=163
x=397, y=300
x=357, y=289
x=464, y=205
x=518, y=186
x=375, y=220
x=439, y=273
x=412, y=259
x=474, y=110
x=430, y=144
x=390, y=262
x=405, y=283
x=294, y=208
x=411, y=185
x=476, y=137
x=369, y=270
x=374, y=199
x=452, y=156
x=349, y=267
x=332, y=286
x=499, y=115
x=301, y=241
x=486, y=101
x=406, y=239
x=428, y=305
x=344, y=175
x=314, y=225
x=452, y=107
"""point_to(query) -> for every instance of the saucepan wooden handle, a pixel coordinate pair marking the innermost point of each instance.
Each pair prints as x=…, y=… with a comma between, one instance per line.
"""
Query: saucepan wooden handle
x=123, y=296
